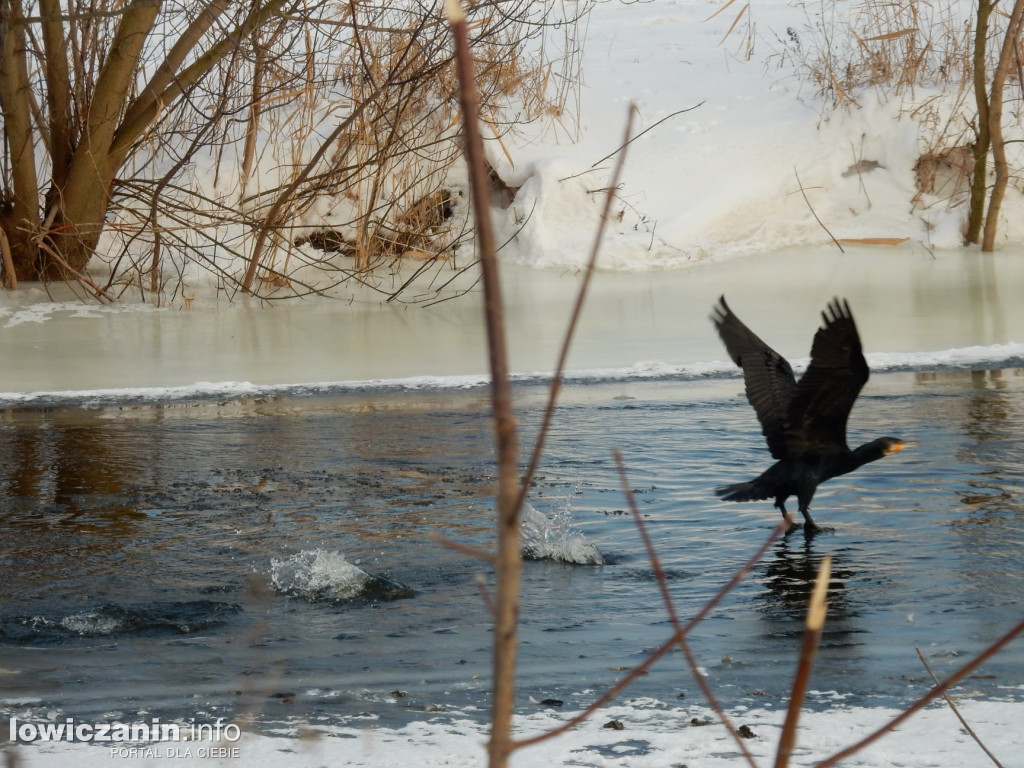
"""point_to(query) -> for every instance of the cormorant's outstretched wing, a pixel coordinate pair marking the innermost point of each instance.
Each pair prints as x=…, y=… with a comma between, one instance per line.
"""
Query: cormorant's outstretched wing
x=824, y=397
x=769, y=379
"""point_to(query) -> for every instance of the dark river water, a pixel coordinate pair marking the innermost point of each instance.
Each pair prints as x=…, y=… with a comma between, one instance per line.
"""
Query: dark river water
x=192, y=558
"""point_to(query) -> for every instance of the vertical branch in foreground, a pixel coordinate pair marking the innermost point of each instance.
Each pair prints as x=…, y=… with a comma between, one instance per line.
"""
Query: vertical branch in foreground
x=506, y=607
x=995, y=125
x=812, y=635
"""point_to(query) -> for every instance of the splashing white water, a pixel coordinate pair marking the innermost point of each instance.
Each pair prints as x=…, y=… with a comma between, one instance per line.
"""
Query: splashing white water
x=556, y=538
x=319, y=575
x=92, y=623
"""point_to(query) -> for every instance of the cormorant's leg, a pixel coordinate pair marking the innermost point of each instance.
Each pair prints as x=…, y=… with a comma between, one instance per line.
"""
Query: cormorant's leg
x=780, y=504
x=804, y=496
x=810, y=527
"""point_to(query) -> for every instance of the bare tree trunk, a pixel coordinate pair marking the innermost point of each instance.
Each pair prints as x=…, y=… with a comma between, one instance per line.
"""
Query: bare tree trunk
x=982, y=141
x=995, y=124
x=8, y=277
x=92, y=170
x=19, y=217
x=58, y=94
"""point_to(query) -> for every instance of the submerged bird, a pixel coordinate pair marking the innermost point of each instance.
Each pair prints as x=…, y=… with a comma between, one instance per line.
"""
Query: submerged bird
x=804, y=423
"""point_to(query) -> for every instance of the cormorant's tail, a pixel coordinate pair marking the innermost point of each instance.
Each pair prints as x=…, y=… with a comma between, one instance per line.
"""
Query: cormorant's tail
x=751, y=491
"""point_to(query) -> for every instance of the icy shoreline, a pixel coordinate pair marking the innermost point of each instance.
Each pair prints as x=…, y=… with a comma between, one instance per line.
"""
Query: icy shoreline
x=651, y=735
x=914, y=311
x=998, y=356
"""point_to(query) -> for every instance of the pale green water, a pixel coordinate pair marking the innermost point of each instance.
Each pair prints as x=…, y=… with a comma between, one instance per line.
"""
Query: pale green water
x=905, y=300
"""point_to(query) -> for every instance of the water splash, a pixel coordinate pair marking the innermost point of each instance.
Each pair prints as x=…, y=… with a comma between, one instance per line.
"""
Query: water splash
x=556, y=538
x=110, y=620
x=321, y=575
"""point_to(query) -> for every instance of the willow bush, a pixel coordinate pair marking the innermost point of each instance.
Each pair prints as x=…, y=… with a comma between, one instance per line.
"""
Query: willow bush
x=277, y=148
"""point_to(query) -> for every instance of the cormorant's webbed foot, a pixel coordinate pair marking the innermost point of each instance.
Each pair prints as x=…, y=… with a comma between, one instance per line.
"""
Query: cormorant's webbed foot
x=810, y=527
x=793, y=525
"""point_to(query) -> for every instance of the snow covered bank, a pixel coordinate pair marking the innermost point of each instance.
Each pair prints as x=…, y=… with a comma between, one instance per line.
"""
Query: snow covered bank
x=650, y=735
x=735, y=154
x=729, y=176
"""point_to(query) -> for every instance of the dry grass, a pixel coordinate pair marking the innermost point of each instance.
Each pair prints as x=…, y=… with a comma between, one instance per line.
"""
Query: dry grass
x=923, y=55
x=892, y=46
x=381, y=173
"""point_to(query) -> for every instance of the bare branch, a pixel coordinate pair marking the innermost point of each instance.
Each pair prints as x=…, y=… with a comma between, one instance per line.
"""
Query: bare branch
x=466, y=549
x=130, y=129
x=43, y=245
x=815, y=214
x=934, y=693
x=956, y=711
x=669, y=644
x=509, y=563
x=666, y=597
x=630, y=140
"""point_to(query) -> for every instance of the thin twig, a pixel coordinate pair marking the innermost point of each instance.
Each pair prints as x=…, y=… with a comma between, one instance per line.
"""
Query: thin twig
x=934, y=693
x=577, y=311
x=956, y=711
x=814, y=213
x=485, y=593
x=651, y=128
x=666, y=597
x=812, y=636
x=78, y=275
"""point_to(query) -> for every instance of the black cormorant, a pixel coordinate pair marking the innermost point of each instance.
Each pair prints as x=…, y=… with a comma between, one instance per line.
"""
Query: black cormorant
x=804, y=423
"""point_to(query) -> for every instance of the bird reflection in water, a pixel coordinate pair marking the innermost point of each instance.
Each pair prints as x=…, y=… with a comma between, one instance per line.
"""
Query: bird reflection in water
x=789, y=576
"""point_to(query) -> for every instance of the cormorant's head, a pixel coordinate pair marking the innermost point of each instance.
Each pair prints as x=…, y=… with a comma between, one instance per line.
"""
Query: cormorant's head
x=889, y=445
x=879, y=449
